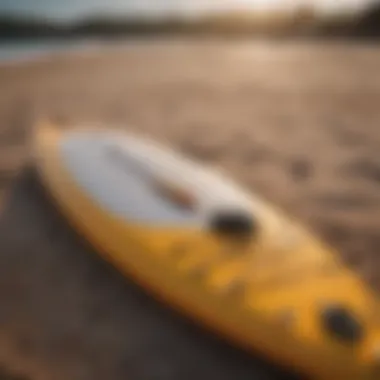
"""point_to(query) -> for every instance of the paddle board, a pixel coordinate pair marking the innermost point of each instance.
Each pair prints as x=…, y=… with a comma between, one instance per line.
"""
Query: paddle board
x=218, y=254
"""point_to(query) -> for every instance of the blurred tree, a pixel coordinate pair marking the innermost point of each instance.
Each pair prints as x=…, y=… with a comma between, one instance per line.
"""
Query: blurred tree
x=305, y=14
x=369, y=23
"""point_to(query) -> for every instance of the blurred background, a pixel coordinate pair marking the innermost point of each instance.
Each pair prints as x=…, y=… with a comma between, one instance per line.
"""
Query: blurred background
x=284, y=94
x=27, y=27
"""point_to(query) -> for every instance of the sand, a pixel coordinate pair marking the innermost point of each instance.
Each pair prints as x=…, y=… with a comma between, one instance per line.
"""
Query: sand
x=298, y=123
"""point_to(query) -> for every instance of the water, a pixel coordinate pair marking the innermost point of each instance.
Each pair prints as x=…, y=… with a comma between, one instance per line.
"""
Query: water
x=15, y=51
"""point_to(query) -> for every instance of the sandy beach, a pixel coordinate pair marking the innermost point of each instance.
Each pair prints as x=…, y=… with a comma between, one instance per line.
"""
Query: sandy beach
x=296, y=122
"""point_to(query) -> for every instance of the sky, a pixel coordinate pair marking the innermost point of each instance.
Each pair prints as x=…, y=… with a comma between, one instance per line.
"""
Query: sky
x=68, y=9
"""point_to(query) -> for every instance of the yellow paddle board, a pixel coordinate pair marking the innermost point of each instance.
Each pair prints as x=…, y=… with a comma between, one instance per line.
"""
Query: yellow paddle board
x=216, y=253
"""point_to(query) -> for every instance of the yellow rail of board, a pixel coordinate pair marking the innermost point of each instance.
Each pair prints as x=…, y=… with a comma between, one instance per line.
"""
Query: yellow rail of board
x=266, y=299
